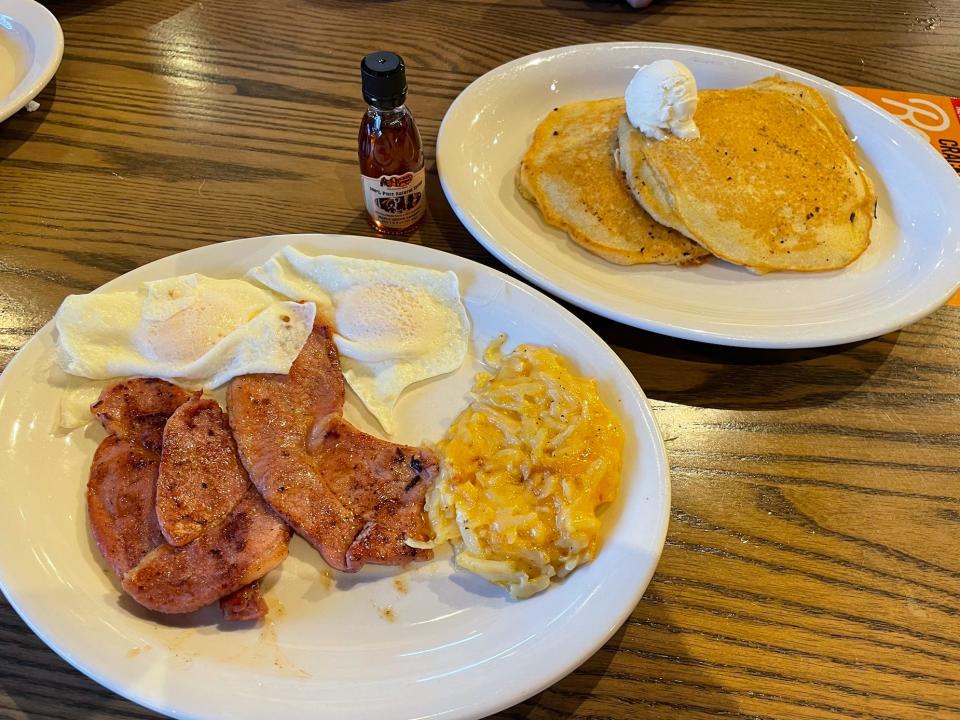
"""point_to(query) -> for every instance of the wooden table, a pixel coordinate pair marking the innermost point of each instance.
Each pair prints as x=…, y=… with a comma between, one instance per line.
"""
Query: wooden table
x=812, y=567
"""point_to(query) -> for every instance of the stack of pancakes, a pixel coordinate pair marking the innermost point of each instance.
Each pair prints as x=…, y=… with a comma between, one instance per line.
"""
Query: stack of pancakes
x=772, y=183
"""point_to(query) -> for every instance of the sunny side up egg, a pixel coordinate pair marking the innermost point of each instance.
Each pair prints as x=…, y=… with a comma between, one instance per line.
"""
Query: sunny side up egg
x=395, y=324
x=193, y=330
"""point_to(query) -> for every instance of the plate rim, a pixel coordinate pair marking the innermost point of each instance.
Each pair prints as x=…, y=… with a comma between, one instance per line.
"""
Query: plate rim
x=739, y=338
x=478, y=708
x=24, y=91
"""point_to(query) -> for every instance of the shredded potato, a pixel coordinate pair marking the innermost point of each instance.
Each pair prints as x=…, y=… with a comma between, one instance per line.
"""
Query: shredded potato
x=524, y=469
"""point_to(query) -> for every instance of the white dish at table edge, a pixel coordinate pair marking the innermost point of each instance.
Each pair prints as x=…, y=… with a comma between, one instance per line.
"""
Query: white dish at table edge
x=459, y=648
x=36, y=39
x=911, y=268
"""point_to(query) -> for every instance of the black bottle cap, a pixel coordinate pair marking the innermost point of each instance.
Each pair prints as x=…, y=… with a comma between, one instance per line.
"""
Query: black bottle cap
x=384, y=79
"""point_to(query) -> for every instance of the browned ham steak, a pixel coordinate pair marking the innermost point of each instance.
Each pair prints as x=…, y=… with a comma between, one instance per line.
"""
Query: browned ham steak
x=383, y=483
x=121, y=491
x=241, y=548
x=137, y=410
x=120, y=502
x=353, y=497
x=121, y=494
x=201, y=478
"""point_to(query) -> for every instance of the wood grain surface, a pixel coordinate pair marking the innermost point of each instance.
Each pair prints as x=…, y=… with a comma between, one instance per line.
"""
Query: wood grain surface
x=812, y=566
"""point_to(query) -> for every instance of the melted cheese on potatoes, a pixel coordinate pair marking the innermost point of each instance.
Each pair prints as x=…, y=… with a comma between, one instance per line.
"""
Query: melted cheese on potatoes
x=524, y=469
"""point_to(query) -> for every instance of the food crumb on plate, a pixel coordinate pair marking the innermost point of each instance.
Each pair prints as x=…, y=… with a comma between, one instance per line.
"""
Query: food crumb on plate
x=325, y=579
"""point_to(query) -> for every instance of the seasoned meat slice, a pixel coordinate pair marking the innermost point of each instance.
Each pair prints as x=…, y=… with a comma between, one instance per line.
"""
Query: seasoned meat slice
x=245, y=604
x=201, y=478
x=120, y=502
x=384, y=483
x=137, y=409
x=241, y=548
x=353, y=497
x=122, y=489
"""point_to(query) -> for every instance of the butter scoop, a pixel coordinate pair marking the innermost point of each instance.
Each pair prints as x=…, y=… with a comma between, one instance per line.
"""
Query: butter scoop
x=662, y=99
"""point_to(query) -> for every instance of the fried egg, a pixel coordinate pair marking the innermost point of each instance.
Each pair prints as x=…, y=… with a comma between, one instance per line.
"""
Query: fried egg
x=196, y=331
x=395, y=324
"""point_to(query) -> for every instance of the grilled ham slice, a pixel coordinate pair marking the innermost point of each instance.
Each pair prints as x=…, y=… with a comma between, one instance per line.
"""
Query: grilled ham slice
x=137, y=410
x=353, y=497
x=120, y=502
x=122, y=490
x=383, y=484
x=201, y=478
x=241, y=548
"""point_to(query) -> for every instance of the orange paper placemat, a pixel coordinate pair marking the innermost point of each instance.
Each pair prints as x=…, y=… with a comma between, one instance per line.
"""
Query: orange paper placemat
x=936, y=116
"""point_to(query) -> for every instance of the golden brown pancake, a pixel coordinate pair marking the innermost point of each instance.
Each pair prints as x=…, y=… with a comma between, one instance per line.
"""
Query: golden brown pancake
x=772, y=182
x=570, y=175
x=814, y=102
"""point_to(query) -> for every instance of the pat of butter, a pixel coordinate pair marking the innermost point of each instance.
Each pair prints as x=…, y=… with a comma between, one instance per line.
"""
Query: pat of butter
x=661, y=100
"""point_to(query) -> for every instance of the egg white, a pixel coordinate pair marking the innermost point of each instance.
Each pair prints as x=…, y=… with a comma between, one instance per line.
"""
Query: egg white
x=395, y=324
x=196, y=331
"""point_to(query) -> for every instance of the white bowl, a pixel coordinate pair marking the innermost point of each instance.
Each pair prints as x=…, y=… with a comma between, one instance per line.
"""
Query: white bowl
x=31, y=47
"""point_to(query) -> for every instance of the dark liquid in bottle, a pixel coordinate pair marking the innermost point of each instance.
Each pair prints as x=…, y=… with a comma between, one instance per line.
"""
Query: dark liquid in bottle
x=390, y=151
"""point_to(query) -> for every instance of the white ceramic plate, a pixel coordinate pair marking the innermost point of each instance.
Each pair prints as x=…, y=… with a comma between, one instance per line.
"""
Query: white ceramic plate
x=31, y=47
x=425, y=642
x=910, y=269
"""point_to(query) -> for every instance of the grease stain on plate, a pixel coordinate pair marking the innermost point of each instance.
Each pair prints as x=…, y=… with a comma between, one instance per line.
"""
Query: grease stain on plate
x=387, y=613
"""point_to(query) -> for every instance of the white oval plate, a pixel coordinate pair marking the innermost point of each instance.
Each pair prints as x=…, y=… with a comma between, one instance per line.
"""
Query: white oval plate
x=425, y=642
x=31, y=47
x=911, y=267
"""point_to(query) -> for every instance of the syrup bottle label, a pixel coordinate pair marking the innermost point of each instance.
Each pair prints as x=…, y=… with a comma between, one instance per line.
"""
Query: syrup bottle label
x=396, y=201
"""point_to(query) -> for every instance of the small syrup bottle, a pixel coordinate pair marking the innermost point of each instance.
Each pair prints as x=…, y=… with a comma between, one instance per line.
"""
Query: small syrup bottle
x=389, y=148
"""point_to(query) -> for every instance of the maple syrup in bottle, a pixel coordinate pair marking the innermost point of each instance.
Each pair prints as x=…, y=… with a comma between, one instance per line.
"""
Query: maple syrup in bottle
x=389, y=148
